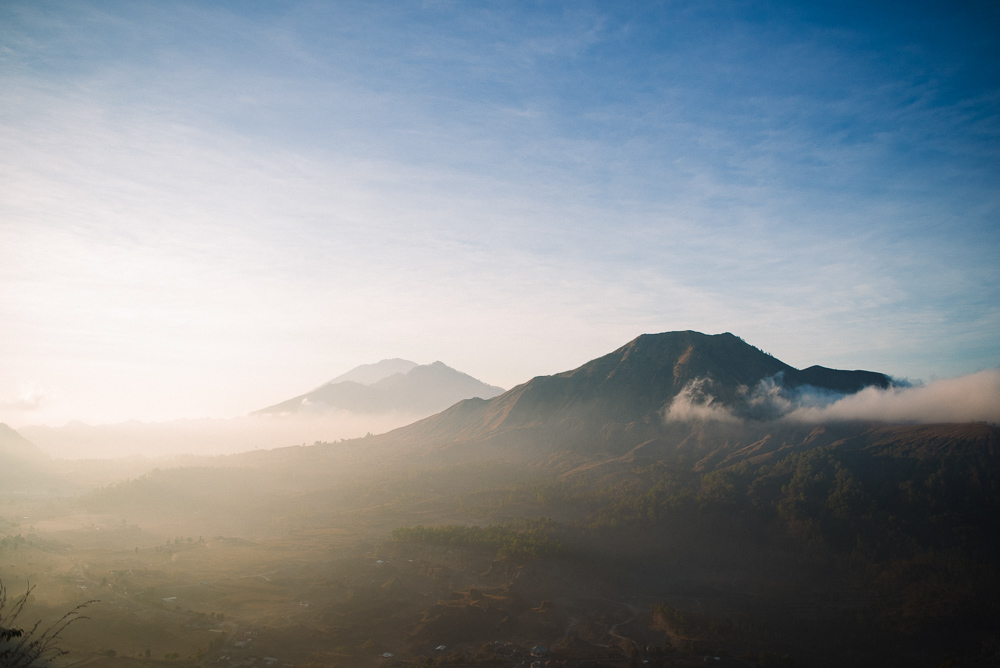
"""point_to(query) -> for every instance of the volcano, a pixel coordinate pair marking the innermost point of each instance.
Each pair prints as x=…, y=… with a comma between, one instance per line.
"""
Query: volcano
x=623, y=395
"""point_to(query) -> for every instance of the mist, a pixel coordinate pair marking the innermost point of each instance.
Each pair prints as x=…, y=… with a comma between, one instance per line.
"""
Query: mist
x=207, y=436
x=970, y=398
x=694, y=403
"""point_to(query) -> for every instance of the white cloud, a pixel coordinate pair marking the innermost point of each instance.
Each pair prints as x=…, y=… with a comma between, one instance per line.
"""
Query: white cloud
x=969, y=398
x=29, y=397
x=694, y=404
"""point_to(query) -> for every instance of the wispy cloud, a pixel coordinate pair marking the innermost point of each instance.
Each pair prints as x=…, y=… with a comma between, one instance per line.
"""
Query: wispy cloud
x=695, y=403
x=968, y=398
x=29, y=397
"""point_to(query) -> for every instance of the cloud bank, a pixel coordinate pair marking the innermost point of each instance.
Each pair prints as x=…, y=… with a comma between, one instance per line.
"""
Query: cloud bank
x=970, y=398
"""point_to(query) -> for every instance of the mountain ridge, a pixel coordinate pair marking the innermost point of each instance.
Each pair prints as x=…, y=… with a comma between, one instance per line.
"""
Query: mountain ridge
x=426, y=388
x=368, y=374
x=629, y=388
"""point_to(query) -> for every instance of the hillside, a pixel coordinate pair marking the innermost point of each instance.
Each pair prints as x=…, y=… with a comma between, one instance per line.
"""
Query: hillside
x=13, y=446
x=22, y=463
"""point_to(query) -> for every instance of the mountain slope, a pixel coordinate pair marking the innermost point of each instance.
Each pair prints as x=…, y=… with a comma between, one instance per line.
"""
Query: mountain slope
x=421, y=389
x=13, y=446
x=22, y=463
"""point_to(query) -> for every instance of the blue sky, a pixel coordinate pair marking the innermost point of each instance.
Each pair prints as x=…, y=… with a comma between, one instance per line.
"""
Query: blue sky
x=206, y=208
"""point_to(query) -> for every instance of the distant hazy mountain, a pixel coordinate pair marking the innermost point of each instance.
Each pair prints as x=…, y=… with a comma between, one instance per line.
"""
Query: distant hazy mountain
x=373, y=398
x=626, y=393
x=22, y=464
x=368, y=374
x=13, y=446
x=381, y=388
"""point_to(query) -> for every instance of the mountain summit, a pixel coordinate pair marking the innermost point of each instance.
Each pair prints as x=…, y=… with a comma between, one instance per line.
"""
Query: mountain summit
x=629, y=389
x=369, y=374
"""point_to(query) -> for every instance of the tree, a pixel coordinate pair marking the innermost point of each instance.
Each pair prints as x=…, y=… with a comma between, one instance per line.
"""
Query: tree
x=24, y=647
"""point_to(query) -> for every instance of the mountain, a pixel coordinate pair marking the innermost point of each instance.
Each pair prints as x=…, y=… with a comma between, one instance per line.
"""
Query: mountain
x=377, y=388
x=623, y=395
x=22, y=464
x=13, y=446
x=368, y=374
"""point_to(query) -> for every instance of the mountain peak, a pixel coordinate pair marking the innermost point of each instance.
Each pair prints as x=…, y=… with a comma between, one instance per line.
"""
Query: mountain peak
x=419, y=389
x=654, y=367
x=627, y=390
x=369, y=374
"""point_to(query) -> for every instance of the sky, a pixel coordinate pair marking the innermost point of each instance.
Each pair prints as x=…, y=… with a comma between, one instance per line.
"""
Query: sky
x=207, y=208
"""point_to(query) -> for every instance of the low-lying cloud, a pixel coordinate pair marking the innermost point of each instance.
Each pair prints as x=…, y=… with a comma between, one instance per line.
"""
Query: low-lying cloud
x=694, y=403
x=971, y=398
x=29, y=397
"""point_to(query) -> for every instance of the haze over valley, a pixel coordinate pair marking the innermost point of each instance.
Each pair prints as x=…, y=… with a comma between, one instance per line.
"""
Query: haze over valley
x=371, y=398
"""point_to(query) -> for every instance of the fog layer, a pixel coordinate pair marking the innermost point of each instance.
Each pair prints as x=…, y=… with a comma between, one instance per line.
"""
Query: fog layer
x=77, y=440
